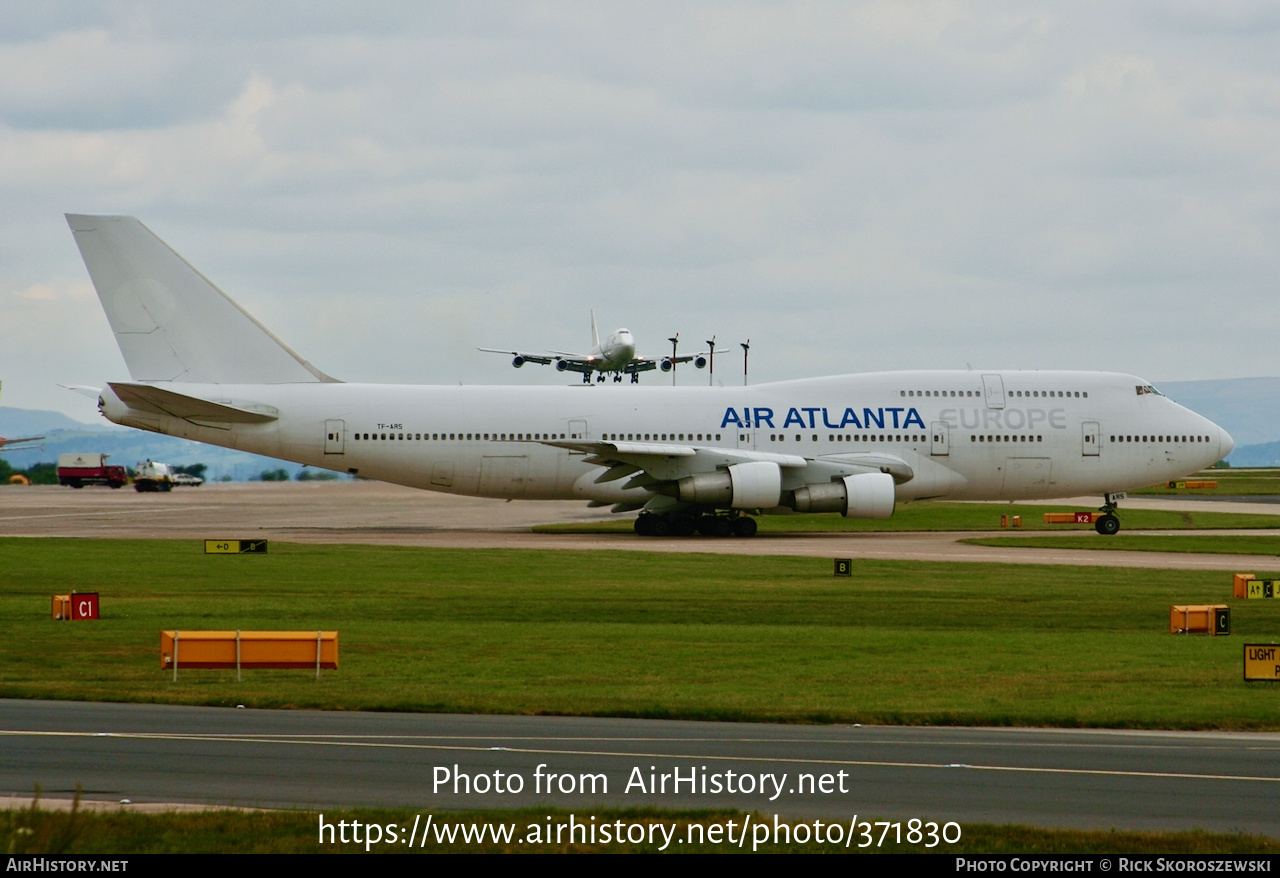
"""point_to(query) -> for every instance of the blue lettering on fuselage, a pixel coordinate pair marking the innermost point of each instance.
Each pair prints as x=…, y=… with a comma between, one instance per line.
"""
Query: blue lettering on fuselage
x=806, y=418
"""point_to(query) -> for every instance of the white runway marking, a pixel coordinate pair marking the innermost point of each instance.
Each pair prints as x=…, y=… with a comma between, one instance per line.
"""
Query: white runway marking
x=332, y=741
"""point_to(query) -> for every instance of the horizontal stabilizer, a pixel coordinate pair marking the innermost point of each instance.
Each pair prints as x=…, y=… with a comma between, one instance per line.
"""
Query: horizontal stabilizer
x=83, y=389
x=159, y=401
x=170, y=321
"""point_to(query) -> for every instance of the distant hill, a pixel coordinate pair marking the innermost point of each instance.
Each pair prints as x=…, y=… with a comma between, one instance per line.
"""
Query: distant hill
x=126, y=446
x=1265, y=454
x=30, y=422
x=1247, y=408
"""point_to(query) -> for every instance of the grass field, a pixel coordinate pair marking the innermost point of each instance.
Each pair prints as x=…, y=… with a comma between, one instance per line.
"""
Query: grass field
x=1209, y=545
x=643, y=634
x=929, y=515
x=1231, y=483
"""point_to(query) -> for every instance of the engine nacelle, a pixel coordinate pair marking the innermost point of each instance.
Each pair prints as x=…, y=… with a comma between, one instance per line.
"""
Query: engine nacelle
x=518, y=361
x=700, y=361
x=865, y=495
x=666, y=365
x=755, y=485
x=561, y=365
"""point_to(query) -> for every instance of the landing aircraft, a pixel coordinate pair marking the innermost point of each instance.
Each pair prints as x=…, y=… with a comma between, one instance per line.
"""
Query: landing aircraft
x=702, y=459
x=617, y=355
x=5, y=443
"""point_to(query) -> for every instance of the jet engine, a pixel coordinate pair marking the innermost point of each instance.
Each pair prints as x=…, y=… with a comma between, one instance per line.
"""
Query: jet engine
x=561, y=365
x=700, y=361
x=754, y=485
x=666, y=365
x=865, y=495
x=518, y=361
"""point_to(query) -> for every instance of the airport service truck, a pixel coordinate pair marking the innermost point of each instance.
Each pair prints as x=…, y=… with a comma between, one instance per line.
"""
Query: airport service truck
x=78, y=470
x=152, y=476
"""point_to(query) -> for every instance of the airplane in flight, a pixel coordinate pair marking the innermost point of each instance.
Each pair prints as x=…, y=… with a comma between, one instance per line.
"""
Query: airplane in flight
x=617, y=354
x=690, y=459
x=8, y=444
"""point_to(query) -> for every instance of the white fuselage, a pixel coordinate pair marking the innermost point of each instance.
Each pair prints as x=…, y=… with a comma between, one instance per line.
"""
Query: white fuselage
x=616, y=352
x=964, y=435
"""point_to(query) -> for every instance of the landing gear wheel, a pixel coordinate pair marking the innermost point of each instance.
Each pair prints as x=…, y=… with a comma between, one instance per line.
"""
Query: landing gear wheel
x=720, y=527
x=1107, y=525
x=744, y=527
x=682, y=527
x=644, y=525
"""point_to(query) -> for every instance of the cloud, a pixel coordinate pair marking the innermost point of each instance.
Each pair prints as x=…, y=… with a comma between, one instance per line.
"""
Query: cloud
x=853, y=186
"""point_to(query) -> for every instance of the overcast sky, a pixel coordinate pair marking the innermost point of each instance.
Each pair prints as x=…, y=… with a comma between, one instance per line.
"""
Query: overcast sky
x=851, y=186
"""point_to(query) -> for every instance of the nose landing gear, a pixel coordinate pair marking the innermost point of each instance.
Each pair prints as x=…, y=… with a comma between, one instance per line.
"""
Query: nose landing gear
x=1108, y=524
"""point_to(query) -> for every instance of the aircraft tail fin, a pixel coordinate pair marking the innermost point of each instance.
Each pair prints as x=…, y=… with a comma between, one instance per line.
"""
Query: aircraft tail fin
x=170, y=321
x=595, y=335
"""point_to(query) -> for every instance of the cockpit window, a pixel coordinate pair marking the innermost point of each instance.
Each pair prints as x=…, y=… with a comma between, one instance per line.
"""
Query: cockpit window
x=1147, y=388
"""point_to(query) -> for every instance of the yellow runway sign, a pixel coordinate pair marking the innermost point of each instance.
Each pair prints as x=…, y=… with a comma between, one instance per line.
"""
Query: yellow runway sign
x=235, y=547
x=1261, y=661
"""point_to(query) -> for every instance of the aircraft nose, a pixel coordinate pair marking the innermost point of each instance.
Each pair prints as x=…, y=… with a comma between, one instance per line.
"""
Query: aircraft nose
x=1225, y=443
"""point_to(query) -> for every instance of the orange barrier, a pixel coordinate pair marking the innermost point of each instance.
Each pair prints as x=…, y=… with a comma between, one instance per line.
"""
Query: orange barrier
x=248, y=649
x=1071, y=517
x=1190, y=484
x=1240, y=585
x=77, y=605
x=1212, y=619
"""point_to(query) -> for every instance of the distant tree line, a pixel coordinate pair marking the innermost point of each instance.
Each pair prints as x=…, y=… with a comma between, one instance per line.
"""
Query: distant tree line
x=47, y=473
x=306, y=475
x=36, y=474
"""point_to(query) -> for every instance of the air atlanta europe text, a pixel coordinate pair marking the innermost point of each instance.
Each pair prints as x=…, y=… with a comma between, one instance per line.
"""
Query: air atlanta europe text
x=890, y=418
x=695, y=780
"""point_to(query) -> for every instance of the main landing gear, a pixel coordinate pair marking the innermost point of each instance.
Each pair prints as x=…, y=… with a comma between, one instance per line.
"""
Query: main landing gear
x=1107, y=524
x=686, y=525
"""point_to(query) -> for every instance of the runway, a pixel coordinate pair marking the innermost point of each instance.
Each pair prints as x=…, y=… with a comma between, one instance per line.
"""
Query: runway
x=381, y=514
x=305, y=759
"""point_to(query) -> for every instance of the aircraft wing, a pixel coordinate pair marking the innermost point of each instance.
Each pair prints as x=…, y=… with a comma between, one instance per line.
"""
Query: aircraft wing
x=540, y=359
x=647, y=364
x=5, y=443
x=658, y=468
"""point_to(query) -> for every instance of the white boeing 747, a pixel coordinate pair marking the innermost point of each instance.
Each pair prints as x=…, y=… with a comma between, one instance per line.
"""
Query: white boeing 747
x=616, y=354
x=691, y=459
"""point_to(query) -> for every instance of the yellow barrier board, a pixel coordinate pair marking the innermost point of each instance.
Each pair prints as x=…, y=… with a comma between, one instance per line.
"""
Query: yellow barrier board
x=1261, y=661
x=248, y=649
x=235, y=547
x=1071, y=517
x=1240, y=585
x=1212, y=619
